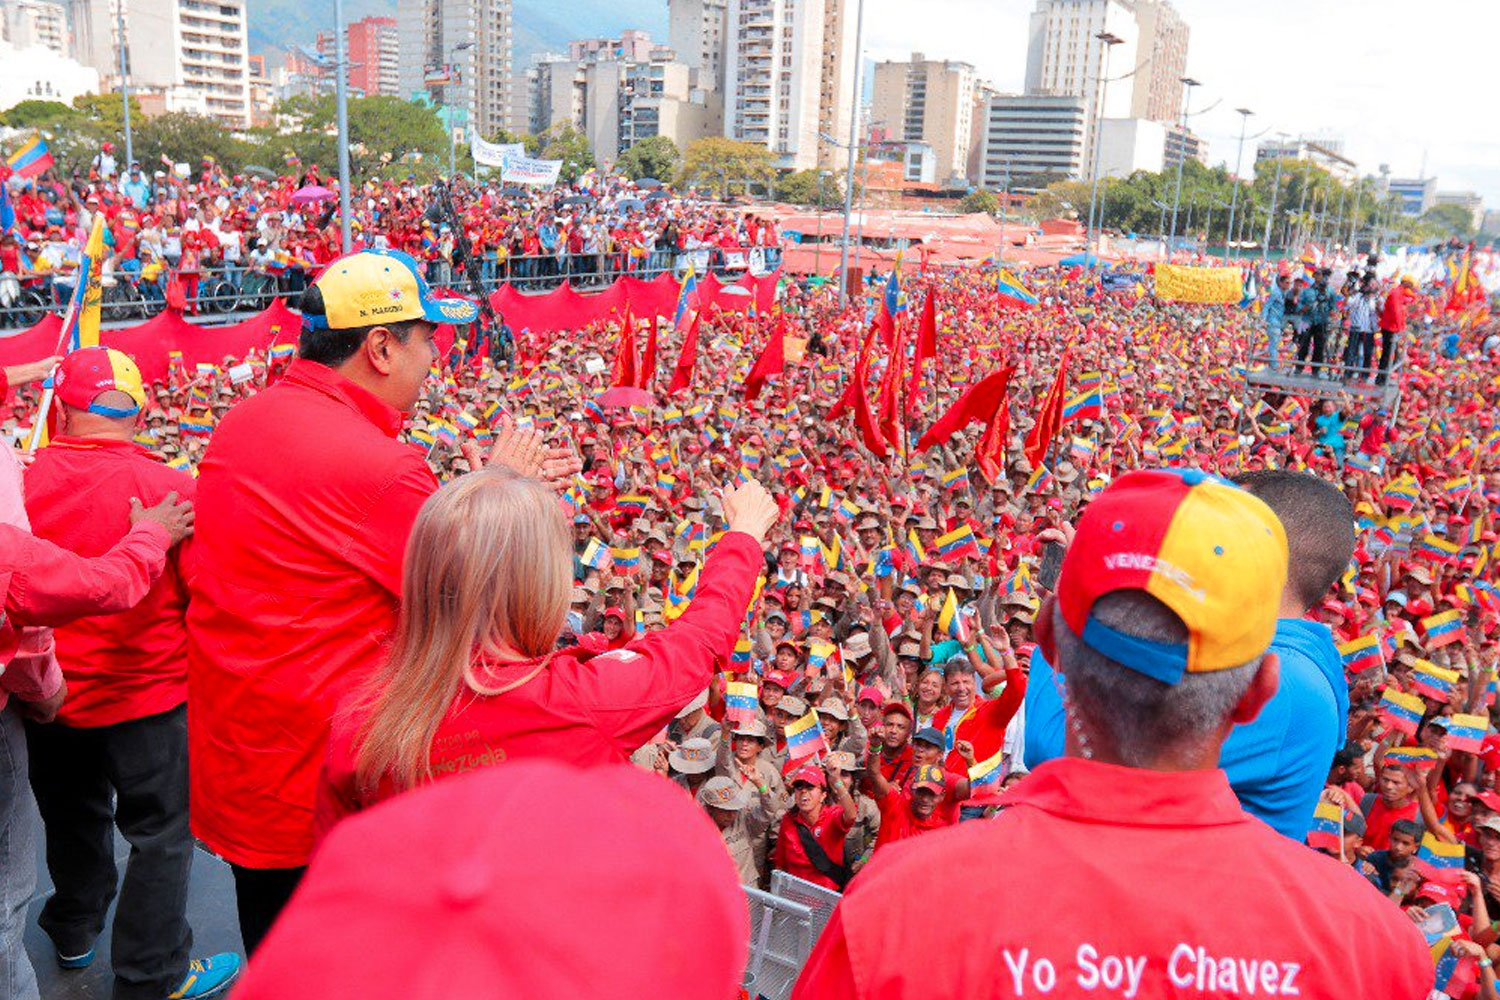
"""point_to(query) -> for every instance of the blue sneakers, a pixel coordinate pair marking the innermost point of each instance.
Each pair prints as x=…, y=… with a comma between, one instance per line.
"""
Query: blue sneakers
x=207, y=977
x=75, y=961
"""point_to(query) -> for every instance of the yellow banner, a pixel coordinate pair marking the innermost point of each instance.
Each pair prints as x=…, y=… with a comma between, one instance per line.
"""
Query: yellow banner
x=1222, y=285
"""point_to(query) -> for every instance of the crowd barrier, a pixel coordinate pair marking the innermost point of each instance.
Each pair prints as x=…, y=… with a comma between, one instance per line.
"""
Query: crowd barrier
x=564, y=308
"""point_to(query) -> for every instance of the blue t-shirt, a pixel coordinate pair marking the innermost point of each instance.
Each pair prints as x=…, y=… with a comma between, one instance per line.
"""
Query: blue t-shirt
x=1277, y=764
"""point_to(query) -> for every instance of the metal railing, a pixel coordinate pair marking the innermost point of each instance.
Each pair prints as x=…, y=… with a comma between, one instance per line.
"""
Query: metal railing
x=129, y=298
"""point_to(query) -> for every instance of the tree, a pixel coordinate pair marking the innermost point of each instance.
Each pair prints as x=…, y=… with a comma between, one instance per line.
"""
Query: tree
x=564, y=142
x=187, y=138
x=38, y=114
x=654, y=157
x=809, y=187
x=977, y=201
x=719, y=164
x=1450, y=220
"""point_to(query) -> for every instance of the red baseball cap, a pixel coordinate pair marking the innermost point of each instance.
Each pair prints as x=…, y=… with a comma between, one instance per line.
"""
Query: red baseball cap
x=872, y=694
x=1211, y=552
x=461, y=889
x=783, y=679
x=812, y=775
x=87, y=373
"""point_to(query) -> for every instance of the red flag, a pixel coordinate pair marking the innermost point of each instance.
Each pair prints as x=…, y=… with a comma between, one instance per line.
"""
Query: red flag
x=771, y=361
x=865, y=421
x=990, y=455
x=856, y=384
x=647, y=373
x=1049, y=419
x=625, y=367
x=682, y=374
x=926, y=348
x=978, y=403
x=890, y=392
x=886, y=324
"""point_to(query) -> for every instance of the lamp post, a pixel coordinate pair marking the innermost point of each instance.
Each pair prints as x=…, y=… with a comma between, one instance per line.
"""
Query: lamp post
x=1107, y=42
x=452, y=132
x=1187, y=98
x=1004, y=197
x=341, y=92
x=124, y=86
x=1234, y=196
x=1275, y=185
x=859, y=27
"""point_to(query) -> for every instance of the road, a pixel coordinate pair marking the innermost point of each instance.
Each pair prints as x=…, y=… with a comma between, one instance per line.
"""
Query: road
x=210, y=912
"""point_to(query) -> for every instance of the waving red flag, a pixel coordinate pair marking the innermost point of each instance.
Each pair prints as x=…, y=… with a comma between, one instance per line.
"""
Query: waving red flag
x=625, y=366
x=682, y=374
x=856, y=384
x=890, y=392
x=926, y=349
x=977, y=403
x=990, y=455
x=1049, y=420
x=647, y=372
x=772, y=361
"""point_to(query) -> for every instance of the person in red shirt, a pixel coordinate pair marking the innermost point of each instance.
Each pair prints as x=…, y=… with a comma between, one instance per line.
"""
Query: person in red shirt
x=980, y=723
x=810, y=840
x=906, y=813
x=1161, y=621
x=117, y=752
x=305, y=501
x=1395, y=800
x=895, y=758
x=485, y=685
x=1393, y=322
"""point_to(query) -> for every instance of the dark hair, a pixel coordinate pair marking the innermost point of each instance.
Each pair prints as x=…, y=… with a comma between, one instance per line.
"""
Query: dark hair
x=1319, y=524
x=1410, y=827
x=958, y=664
x=333, y=347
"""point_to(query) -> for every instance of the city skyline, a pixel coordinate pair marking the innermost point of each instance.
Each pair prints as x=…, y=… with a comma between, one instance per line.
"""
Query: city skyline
x=1393, y=88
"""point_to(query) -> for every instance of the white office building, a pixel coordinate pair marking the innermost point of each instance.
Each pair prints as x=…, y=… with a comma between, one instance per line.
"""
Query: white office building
x=34, y=23
x=1031, y=136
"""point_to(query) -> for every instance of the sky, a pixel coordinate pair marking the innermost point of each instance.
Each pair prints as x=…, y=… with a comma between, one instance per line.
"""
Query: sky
x=1395, y=79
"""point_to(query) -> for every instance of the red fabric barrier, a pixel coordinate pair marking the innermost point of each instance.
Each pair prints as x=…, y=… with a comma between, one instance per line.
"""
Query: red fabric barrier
x=562, y=309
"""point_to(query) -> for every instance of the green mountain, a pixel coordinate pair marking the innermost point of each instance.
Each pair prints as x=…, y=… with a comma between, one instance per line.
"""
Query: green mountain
x=540, y=25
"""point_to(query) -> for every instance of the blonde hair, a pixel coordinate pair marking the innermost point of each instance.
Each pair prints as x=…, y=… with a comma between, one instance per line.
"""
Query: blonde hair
x=488, y=569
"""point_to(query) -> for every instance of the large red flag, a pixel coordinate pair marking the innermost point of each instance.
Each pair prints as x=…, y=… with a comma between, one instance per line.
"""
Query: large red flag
x=926, y=348
x=647, y=372
x=990, y=455
x=863, y=419
x=625, y=366
x=977, y=403
x=772, y=360
x=890, y=392
x=856, y=384
x=682, y=374
x=1049, y=419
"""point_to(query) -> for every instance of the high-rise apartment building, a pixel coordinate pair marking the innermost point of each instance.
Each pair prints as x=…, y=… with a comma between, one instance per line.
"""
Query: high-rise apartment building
x=696, y=31
x=1161, y=62
x=1031, y=139
x=931, y=101
x=459, y=53
x=180, y=54
x=28, y=23
x=787, y=77
x=374, y=57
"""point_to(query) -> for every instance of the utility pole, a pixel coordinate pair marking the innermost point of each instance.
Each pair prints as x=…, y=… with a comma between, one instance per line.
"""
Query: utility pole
x=341, y=92
x=1107, y=42
x=1275, y=185
x=859, y=28
x=1234, y=196
x=1187, y=98
x=124, y=86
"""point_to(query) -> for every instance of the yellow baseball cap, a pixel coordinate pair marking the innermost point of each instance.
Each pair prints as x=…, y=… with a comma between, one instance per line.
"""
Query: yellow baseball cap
x=88, y=372
x=381, y=286
x=1212, y=552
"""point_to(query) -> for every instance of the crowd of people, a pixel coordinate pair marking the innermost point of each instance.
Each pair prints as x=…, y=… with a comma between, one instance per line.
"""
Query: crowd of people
x=838, y=571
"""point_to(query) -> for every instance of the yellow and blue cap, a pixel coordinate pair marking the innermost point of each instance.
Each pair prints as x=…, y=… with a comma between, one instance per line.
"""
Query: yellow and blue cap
x=381, y=286
x=89, y=372
x=1211, y=552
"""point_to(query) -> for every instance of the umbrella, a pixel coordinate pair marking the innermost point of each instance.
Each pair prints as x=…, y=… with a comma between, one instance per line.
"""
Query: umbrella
x=310, y=194
x=630, y=204
x=649, y=182
x=625, y=395
x=265, y=172
x=654, y=195
x=513, y=192
x=575, y=200
x=734, y=290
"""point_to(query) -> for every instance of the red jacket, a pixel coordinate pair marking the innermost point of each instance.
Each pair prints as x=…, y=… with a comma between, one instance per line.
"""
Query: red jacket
x=305, y=501
x=1047, y=899
x=46, y=585
x=133, y=664
x=1393, y=312
x=985, y=727
x=582, y=711
x=829, y=831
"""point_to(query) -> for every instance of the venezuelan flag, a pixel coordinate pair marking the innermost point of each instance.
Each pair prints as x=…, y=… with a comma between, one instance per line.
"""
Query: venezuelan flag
x=280, y=351
x=1467, y=732
x=1012, y=292
x=686, y=298
x=1443, y=629
x=1440, y=861
x=1401, y=711
x=1454, y=489
x=740, y=699
x=1361, y=654
x=421, y=437
x=1327, y=831
x=1041, y=479
x=596, y=555
x=1401, y=494
x=1439, y=549
x=804, y=737
x=632, y=503
x=1085, y=406
x=914, y=547
x=986, y=774
x=820, y=655
x=1082, y=450
x=33, y=158
x=81, y=322
x=196, y=426
x=1433, y=681
x=951, y=619
x=957, y=543
x=957, y=479
x=627, y=561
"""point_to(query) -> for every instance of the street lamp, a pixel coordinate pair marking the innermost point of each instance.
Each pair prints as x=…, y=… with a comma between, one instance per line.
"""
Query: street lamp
x=452, y=132
x=124, y=87
x=341, y=97
x=1265, y=249
x=1107, y=42
x=1187, y=98
x=1234, y=196
x=859, y=28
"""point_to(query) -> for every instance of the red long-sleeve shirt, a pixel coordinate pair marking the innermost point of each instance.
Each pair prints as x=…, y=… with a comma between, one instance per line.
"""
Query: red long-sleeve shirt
x=305, y=502
x=583, y=711
x=985, y=727
x=132, y=664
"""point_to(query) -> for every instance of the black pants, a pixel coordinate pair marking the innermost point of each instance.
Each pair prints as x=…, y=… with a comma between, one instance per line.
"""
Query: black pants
x=1387, y=349
x=1360, y=352
x=144, y=764
x=260, y=895
x=1316, y=338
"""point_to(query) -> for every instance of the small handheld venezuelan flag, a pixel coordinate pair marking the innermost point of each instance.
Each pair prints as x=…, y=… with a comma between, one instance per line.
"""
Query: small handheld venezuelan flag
x=1443, y=629
x=1361, y=654
x=1327, y=831
x=1433, y=681
x=804, y=737
x=1416, y=758
x=740, y=698
x=1439, y=860
x=1401, y=711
